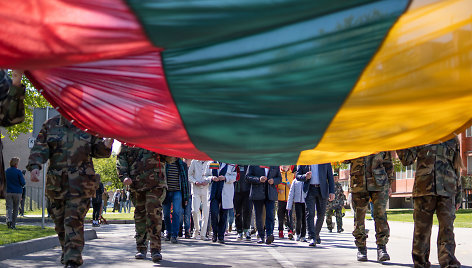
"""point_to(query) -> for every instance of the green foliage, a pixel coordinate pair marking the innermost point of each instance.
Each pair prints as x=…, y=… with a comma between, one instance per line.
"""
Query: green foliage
x=466, y=182
x=22, y=233
x=106, y=167
x=339, y=165
x=397, y=165
x=33, y=99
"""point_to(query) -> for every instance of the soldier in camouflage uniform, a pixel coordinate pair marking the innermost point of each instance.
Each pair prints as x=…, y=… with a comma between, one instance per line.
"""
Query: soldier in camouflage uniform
x=335, y=207
x=12, y=111
x=436, y=189
x=70, y=181
x=144, y=171
x=371, y=177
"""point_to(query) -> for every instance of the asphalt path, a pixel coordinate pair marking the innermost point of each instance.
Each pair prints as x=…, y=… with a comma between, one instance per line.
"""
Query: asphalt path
x=115, y=247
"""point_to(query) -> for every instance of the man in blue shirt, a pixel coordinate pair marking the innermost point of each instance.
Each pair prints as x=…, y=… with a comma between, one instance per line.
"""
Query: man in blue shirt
x=15, y=183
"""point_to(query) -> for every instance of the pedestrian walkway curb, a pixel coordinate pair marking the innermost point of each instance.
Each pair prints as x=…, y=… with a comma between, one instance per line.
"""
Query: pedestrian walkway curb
x=25, y=247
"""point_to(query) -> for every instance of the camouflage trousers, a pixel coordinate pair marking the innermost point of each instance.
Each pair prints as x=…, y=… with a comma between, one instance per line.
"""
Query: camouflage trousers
x=68, y=216
x=382, y=230
x=338, y=212
x=148, y=217
x=425, y=206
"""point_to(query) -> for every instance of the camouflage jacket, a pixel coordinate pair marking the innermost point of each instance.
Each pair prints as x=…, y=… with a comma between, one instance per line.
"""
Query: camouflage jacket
x=12, y=111
x=339, y=197
x=69, y=151
x=371, y=173
x=435, y=172
x=145, y=168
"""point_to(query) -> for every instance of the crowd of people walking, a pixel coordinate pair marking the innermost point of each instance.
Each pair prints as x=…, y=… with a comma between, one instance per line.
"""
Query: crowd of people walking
x=178, y=190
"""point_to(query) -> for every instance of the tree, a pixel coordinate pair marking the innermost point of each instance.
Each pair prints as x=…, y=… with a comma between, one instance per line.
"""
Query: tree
x=33, y=99
x=106, y=167
x=339, y=165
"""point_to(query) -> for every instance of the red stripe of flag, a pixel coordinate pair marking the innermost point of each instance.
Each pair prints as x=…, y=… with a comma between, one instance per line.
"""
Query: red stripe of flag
x=37, y=34
x=127, y=99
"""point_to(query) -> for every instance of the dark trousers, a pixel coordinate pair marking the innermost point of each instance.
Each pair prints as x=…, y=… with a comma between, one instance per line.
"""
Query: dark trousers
x=300, y=227
x=315, y=202
x=242, y=211
x=96, y=211
x=218, y=218
x=284, y=216
x=22, y=202
x=425, y=206
x=269, y=216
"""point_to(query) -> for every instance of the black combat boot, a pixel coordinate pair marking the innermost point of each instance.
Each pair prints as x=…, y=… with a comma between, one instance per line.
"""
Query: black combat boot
x=156, y=255
x=71, y=264
x=141, y=254
x=362, y=254
x=382, y=254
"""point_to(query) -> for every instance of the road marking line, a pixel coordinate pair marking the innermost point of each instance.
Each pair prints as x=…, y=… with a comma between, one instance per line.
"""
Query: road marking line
x=280, y=258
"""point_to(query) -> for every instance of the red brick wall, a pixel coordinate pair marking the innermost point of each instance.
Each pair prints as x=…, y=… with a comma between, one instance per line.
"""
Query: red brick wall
x=466, y=146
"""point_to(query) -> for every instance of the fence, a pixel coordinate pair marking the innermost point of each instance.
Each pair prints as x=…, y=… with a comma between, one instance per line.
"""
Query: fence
x=33, y=197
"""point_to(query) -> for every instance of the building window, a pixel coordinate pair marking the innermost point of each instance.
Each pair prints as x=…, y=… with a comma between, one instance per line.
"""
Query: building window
x=468, y=132
x=469, y=165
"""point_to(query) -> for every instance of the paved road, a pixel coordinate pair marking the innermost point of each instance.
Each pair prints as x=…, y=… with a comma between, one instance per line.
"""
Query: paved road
x=115, y=248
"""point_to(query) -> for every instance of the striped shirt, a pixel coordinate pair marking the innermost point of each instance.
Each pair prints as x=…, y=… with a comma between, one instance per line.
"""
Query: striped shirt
x=173, y=182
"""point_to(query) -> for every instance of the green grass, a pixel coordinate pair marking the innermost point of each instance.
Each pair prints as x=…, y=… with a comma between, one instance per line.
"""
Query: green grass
x=22, y=233
x=113, y=215
x=3, y=209
x=463, y=217
x=108, y=216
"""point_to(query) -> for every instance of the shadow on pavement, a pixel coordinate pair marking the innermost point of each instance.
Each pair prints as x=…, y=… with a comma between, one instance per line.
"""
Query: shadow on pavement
x=186, y=264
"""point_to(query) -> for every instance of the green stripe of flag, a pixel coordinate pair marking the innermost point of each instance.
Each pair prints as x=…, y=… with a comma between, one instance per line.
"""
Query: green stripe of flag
x=192, y=23
x=274, y=94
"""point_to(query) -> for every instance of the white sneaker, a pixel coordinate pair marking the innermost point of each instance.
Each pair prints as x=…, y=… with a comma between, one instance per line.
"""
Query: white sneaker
x=298, y=237
x=197, y=237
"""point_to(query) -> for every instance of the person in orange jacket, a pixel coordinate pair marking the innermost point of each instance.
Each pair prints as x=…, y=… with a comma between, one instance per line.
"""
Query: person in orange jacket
x=283, y=215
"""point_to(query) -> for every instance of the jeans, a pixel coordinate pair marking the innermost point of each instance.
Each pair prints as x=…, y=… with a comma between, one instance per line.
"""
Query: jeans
x=187, y=215
x=173, y=199
x=122, y=206
x=128, y=205
x=218, y=218
x=243, y=211
x=230, y=217
x=269, y=217
x=12, y=204
x=315, y=202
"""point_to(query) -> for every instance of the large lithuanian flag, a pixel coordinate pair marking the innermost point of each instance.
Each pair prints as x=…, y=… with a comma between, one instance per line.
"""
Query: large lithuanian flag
x=250, y=81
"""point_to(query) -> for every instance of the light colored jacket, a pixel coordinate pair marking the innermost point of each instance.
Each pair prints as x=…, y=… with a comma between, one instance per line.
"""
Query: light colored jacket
x=228, y=188
x=296, y=193
x=196, y=174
